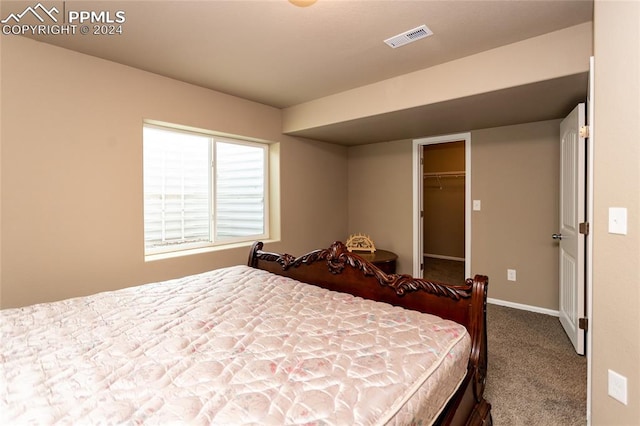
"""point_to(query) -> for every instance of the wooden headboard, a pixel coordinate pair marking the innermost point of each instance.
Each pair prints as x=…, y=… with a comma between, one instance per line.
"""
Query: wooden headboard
x=338, y=269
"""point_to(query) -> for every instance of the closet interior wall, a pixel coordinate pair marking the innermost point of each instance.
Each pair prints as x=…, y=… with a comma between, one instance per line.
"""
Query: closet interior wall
x=444, y=201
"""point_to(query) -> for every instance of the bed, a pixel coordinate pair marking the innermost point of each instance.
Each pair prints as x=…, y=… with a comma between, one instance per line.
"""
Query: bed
x=324, y=338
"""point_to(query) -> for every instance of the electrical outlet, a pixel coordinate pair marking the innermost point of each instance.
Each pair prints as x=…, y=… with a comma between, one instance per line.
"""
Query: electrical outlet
x=477, y=205
x=618, y=387
x=511, y=274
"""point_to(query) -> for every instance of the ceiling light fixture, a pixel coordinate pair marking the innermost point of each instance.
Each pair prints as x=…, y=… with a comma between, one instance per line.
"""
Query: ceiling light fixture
x=302, y=3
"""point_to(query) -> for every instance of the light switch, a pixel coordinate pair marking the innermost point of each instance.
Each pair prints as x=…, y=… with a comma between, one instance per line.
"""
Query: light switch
x=476, y=205
x=618, y=220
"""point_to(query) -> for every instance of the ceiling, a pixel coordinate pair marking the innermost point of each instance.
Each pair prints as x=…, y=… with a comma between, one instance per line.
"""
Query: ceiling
x=279, y=54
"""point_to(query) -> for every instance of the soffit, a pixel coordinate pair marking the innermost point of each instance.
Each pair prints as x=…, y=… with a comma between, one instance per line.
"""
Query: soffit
x=545, y=100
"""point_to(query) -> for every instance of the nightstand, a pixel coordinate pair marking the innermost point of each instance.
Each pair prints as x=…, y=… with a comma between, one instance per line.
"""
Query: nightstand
x=383, y=259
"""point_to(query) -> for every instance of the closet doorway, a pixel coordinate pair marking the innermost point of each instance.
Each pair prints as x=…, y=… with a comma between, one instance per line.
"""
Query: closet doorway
x=442, y=208
x=443, y=173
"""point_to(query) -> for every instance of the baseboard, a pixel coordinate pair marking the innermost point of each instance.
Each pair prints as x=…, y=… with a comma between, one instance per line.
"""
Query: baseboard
x=523, y=307
x=439, y=256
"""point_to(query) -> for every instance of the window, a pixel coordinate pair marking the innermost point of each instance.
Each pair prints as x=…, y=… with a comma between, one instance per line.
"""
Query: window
x=202, y=190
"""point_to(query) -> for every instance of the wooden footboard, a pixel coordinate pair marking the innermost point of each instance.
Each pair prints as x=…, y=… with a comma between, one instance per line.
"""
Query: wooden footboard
x=338, y=269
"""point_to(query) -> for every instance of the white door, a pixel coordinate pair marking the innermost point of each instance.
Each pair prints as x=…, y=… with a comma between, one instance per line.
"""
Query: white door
x=572, y=215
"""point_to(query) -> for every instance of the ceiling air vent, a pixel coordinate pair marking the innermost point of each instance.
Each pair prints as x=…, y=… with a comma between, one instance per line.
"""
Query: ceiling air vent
x=409, y=36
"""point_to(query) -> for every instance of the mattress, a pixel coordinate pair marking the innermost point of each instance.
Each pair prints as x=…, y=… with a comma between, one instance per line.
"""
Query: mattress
x=231, y=346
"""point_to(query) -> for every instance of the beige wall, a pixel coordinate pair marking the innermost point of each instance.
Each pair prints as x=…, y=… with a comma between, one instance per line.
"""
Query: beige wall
x=380, y=197
x=72, y=211
x=514, y=172
x=444, y=200
x=616, y=266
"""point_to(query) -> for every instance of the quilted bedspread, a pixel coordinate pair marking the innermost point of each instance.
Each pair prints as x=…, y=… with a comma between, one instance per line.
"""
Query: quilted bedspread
x=231, y=346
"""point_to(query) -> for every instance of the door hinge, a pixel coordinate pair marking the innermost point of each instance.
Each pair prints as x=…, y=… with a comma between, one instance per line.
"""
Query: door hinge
x=584, y=132
x=421, y=213
x=422, y=266
x=583, y=228
x=583, y=324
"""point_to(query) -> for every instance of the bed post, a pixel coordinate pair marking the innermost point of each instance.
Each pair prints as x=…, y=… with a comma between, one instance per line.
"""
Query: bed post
x=478, y=359
x=253, y=254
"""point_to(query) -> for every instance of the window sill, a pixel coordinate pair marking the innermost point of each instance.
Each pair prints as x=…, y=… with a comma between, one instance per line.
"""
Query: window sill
x=201, y=250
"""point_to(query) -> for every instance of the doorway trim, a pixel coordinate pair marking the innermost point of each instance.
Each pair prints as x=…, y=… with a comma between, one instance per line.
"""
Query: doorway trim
x=418, y=192
x=590, y=113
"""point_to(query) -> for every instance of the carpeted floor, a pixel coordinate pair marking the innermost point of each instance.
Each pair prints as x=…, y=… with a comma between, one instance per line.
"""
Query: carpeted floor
x=534, y=375
x=446, y=271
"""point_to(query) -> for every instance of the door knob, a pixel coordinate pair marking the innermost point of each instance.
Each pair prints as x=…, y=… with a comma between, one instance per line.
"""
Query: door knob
x=556, y=236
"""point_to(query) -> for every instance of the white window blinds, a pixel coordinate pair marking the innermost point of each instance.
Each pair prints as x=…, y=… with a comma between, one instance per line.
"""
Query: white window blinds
x=240, y=202
x=201, y=190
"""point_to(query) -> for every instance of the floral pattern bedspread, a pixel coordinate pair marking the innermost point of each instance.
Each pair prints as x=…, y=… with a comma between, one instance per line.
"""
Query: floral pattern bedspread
x=231, y=346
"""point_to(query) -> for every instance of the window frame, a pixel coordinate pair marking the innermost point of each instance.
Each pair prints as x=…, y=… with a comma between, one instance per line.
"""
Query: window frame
x=213, y=243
